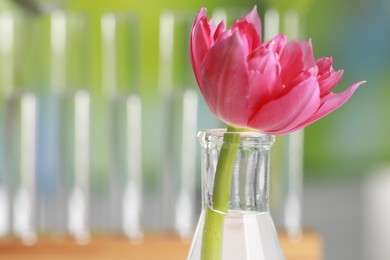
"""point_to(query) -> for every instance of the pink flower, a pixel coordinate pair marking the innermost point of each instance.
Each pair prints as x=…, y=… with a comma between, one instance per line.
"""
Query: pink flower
x=274, y=87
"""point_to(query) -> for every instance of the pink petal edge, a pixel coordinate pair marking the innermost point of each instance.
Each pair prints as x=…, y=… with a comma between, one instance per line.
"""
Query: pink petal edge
x=333, y=102
x=289, y=110
x=226, y=86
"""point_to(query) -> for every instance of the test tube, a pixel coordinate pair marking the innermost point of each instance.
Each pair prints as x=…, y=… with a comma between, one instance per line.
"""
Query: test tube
x=120, y=76
x=126, y=171
x=74, y=125
x=6, y=81
x=179, y=114
x=21, y=151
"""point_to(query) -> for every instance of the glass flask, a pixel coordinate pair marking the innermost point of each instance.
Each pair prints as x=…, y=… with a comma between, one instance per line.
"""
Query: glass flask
x=245, y=230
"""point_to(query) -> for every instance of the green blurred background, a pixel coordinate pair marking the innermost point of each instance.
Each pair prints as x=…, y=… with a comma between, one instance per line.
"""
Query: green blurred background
x=355, y=33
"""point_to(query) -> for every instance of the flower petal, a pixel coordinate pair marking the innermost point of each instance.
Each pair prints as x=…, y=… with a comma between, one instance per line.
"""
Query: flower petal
x=332, y=102
x=225, y=78
x=248, y=33
x=289, y=110
x=291, y=61
x=221, y=28
x=324, y=64
x=312, y=72
x=200, y=43
x=264, y=79
x=307, y=54
x=326, y=84
x=277, y=44
x=254, y=19
x=328, y=77
x=263, y=87
x=263, y=61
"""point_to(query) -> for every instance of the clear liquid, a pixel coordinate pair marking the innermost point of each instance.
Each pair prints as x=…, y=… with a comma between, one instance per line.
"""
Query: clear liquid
x=247, y=236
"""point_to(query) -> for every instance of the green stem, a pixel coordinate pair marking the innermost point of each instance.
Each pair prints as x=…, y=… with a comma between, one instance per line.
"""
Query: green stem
x=214, y=218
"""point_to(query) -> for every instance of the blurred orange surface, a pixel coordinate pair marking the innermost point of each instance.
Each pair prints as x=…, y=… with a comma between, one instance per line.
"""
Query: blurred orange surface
x=309, y=247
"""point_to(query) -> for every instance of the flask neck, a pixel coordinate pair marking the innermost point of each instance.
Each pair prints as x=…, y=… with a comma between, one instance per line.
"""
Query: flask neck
x=248, y=189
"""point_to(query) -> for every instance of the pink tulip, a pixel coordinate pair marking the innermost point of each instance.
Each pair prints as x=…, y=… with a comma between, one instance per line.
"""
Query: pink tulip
x=274, y=87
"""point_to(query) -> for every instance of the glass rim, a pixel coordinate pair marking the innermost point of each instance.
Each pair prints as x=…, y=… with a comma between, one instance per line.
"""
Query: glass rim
x=248, y=137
